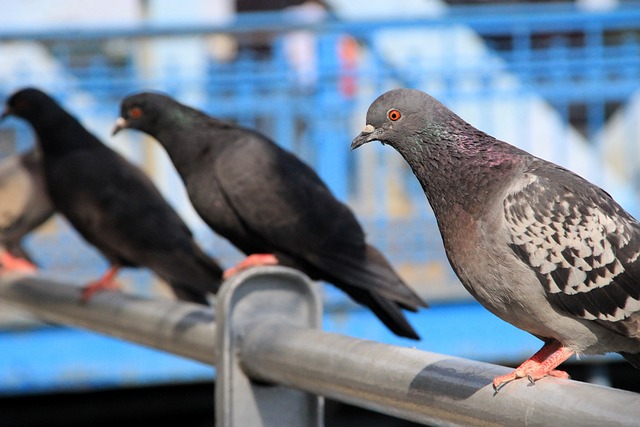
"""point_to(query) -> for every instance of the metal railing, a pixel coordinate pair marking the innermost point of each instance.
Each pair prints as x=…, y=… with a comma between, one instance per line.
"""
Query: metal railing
x=265, y=331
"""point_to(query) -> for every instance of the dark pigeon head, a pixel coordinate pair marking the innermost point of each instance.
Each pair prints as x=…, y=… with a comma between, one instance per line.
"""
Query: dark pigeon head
x=30, y=104
x=400, y=115
x=142, y=111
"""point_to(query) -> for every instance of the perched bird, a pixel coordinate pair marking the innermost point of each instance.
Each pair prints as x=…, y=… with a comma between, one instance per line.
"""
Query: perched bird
x=537, y=245
x=270, y=204
x=24, y=205
x=113, y=204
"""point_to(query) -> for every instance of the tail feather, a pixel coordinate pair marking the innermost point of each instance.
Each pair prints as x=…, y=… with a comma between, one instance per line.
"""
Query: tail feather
x=192, y=275
x=633, y=358
x=375, y=284
x=387, y=311
x=373, y=274
x=380, y=267
x=211, y=269
x=185, y=293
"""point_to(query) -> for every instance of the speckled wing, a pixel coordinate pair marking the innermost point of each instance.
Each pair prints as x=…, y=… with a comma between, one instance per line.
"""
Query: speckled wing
x=15, y=192
x=24, y=204
x=581, y=244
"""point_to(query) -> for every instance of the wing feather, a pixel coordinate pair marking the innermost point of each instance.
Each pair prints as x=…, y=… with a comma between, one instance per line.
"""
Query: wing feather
x=581, y=244
x=285, y=204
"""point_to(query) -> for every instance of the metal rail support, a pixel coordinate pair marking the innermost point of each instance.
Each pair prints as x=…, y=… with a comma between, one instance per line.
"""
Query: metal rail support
x=246, y=301
x=428, y=388
x=265, y=329
x=178, y=327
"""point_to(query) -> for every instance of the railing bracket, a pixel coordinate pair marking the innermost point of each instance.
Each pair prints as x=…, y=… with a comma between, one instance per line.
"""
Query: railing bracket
x=244, y=301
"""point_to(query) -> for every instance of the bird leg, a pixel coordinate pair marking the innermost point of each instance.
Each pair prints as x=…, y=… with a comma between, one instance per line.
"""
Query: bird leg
x=12, y=263
x=540, y=365
x=104, y=282
x=251, y=261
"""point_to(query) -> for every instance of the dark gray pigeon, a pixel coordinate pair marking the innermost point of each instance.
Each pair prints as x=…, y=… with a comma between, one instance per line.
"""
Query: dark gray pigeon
x=268, y=203
x=113, y=204
x=537, y=245
x=24, y=205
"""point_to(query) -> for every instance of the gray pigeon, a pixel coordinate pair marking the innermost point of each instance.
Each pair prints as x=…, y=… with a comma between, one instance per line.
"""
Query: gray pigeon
x=268, y=203
x=24, y=205
x=113, y=204
x=534, y=243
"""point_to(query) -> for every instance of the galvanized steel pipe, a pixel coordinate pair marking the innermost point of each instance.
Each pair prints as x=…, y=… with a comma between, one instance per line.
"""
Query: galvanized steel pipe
x=181, y=328
x=408, y=383
x=426, y=387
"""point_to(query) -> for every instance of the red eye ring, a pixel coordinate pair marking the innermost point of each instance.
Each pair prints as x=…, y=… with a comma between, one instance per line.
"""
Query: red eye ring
x=394, y=115
x=135, y=113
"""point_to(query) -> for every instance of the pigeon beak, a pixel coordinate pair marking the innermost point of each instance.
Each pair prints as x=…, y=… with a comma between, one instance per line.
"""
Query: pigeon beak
x=120, y=124
x=367, y=135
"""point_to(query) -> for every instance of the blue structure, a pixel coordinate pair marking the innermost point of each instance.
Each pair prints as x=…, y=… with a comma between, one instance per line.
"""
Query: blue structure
x=553, y=79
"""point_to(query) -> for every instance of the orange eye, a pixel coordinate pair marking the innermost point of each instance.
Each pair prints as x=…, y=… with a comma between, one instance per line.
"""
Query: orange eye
x=135, y=113
x=394, y=115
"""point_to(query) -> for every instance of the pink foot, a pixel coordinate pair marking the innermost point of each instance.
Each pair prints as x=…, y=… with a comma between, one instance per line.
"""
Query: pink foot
x=251, y=261
x=12, y=263
x=105, y=282
x=540, y=365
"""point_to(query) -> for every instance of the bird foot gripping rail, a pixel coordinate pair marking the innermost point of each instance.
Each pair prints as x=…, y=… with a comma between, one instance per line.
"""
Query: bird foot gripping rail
x=266, y=330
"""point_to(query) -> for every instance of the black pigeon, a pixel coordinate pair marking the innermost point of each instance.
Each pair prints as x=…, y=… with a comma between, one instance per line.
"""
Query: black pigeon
x=264, y=200
x=113, y=204
x=537, y=245
x=24, y=205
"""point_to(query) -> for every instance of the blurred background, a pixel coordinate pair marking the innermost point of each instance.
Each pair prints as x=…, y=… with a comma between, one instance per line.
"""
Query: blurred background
x=559, y=79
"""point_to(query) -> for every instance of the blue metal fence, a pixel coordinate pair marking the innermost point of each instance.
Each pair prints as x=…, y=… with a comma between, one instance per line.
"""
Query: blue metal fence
x=553, y=79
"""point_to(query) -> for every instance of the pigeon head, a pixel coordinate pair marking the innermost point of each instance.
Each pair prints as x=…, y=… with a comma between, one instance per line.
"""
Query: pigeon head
x=141, y=111
x=29, y=104
x=455, y=163
x=402, y=115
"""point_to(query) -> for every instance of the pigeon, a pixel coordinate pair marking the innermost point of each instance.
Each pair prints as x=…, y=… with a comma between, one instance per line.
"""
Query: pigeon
x=271, y=205
x=534, y=243
x=113, y=204
x=25, y=206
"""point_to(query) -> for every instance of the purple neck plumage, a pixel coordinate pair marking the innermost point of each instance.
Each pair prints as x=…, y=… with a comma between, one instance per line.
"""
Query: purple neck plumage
x=459, y=165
